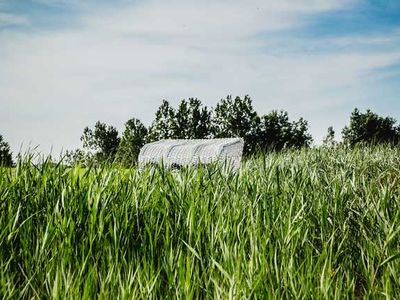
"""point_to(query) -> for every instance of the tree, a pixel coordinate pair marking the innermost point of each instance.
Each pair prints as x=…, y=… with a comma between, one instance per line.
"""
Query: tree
x=299, y=135
x=103, y=141
x=370, y=128
x=162, y=127
x=133, y=139
x=237, y=118
x=200, y=119
x=5, y=153
x=329, y=139
x=274, y=130
x=180, y=121
x=191, y=120
x=277, y=132
x=77, y=156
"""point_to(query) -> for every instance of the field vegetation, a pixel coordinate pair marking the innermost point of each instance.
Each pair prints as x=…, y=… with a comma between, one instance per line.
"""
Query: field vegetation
x=311, y=223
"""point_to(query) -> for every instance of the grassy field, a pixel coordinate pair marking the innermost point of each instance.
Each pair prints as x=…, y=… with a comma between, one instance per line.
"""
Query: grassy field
x=319, y=223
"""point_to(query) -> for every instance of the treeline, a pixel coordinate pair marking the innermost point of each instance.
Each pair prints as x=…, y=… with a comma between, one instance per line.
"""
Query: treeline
x=231, y=117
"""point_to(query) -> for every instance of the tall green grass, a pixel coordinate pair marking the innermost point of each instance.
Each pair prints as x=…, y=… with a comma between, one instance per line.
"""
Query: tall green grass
x=319, y=223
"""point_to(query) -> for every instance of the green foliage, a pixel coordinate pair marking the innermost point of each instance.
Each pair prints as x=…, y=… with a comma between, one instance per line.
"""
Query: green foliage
x=133, y=139
x=102, y=141
x=162, y=127
x=5, y=153
x=180, y=123
x=370, y=128
x=329, y=139
x=274, y=131
x=277, y=132
x=77, y=157
x=191, y=120
x=300, y=137
x=237, y=118
x=307, y=224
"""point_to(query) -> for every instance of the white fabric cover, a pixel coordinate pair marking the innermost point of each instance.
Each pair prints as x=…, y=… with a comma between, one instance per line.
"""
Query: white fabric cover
x=191, y=152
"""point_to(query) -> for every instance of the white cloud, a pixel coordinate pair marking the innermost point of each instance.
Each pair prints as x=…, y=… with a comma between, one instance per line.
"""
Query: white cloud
x=7, y=19
x=122, y=63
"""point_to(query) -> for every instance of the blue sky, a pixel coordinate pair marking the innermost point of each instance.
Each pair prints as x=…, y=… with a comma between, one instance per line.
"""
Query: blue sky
x=66, y=64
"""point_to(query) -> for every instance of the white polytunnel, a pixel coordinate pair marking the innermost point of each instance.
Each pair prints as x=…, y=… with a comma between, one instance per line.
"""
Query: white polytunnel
x=181, y=152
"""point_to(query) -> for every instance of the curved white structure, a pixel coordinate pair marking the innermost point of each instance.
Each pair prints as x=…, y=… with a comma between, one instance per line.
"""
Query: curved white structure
x=176, y=153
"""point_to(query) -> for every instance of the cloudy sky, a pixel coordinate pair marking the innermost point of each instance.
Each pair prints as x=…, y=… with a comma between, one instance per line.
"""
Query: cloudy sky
x=64, y=64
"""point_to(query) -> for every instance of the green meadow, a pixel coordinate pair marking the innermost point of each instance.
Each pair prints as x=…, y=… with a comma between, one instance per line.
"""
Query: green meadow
x=313, y=223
